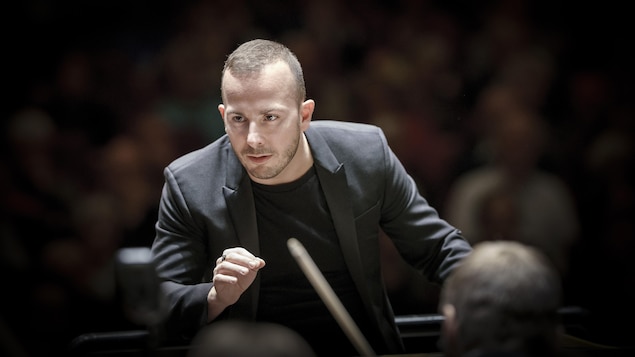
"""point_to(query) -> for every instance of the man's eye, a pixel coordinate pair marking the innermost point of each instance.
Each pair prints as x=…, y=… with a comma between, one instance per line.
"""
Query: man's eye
x=271, y=117
x=238, y=119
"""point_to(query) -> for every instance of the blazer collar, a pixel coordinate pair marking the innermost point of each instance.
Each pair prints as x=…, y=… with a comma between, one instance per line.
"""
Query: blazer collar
x=322, y=154
x=332, y=176
x=242, y=211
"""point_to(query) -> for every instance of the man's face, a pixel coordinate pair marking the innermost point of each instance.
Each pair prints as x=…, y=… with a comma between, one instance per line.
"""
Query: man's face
x=265, y=123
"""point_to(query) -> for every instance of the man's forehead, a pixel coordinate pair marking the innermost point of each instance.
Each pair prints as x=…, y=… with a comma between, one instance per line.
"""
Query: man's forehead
x=247, y=72
x=275, y=75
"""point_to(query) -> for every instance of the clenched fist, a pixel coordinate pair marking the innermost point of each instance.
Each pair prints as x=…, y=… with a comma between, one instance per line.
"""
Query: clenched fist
x=235, y=271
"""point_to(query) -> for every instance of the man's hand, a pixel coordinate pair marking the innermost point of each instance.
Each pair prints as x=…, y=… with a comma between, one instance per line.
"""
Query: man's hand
x=235, y=270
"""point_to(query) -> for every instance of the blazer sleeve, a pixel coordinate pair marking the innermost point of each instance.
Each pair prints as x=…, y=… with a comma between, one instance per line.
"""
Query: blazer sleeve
x=179, y=256
x=425, y=240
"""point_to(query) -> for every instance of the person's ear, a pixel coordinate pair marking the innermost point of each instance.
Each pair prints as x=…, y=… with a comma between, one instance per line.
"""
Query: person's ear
x=221, y=110
x=449, y=331
x=449, y=319
x=306, y=112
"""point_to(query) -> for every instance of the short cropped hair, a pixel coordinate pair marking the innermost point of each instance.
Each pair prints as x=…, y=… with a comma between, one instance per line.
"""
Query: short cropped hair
x=250, y=57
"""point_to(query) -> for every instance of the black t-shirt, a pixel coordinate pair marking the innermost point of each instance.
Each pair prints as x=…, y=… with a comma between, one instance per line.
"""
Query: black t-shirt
x=299, y=209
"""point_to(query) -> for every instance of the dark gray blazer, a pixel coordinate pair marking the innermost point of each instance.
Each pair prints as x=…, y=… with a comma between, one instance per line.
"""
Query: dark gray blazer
x=207, y=205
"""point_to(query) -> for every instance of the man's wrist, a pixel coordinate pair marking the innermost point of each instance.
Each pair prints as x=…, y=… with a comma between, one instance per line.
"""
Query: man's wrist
x=214, y=306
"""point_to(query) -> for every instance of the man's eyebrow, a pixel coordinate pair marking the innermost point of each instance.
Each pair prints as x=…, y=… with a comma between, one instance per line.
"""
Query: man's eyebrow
x=234, y=112
x=274, y=108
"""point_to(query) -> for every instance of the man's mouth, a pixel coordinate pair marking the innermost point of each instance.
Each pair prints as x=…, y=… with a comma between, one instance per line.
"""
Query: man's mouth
x=258, y=159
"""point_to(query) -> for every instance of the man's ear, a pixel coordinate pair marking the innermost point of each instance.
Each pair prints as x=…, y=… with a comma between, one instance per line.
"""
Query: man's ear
x=449, y=331
x=449, y=318
x=306, y=112
x=221, y=110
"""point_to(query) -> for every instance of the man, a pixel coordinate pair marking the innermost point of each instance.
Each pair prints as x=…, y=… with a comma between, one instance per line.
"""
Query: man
x=502, y=301
x=227, y=211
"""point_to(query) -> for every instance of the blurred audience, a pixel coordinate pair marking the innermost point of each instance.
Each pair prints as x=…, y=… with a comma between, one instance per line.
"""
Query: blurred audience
x=123, y=171
x=511, y=196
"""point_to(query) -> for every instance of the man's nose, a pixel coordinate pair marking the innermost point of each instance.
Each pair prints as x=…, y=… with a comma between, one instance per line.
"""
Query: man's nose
x=254, y=136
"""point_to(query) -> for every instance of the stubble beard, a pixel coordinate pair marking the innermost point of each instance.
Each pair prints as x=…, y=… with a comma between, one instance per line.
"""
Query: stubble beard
x=267, y=172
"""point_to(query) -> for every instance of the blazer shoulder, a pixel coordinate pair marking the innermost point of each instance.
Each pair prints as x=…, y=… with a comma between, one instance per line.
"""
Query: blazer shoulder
x=345, y=127
x=202, y=160
x=348, y=135
x=361, y=147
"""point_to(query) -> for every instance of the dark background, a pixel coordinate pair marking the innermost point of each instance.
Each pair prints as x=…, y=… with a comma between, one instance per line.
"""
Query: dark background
x=101, y=95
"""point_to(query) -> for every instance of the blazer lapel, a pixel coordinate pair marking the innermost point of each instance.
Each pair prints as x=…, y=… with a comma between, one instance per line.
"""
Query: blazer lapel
x=240, y=204
x=332, y=176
